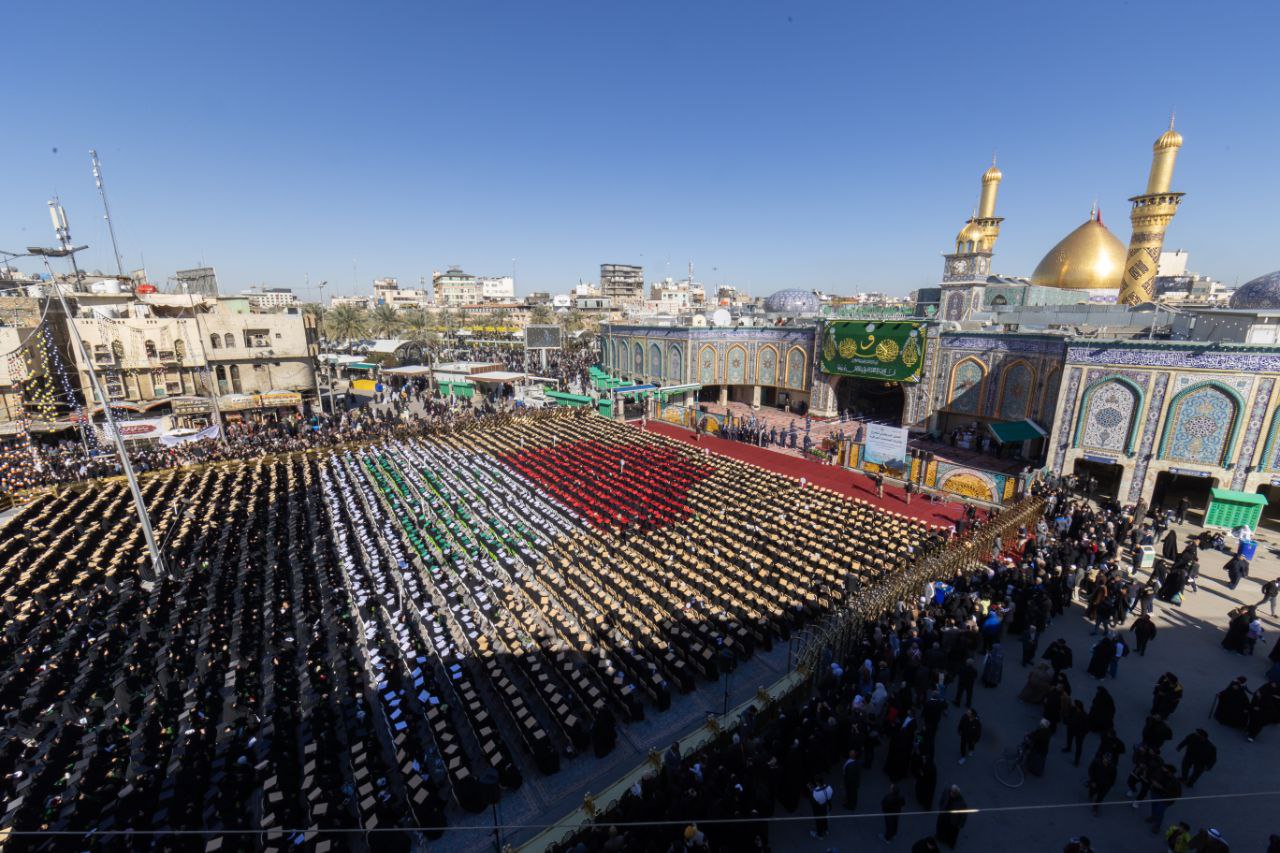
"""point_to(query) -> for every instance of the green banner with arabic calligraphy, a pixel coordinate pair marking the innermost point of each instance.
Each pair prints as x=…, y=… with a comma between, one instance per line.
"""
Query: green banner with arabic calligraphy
x=892, y=351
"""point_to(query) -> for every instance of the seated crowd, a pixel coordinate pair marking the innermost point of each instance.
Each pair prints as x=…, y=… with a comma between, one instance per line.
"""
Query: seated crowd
x=378, y=634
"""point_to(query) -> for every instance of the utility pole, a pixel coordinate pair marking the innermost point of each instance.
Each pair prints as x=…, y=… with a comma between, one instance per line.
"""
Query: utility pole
x=106, y=209
x=157, y=569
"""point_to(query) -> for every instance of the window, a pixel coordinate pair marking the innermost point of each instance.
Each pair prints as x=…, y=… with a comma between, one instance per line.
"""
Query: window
x=228, y=340
x=180, y=350
x=215, y=342
x=222, y=379
x=117, y=350
x=235, y=378
x=257, y=338
x=150, y=346
x=158, y=388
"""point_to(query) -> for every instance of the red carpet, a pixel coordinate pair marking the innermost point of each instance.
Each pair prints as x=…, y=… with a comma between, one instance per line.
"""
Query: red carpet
x=854, y=484
x=614, y=484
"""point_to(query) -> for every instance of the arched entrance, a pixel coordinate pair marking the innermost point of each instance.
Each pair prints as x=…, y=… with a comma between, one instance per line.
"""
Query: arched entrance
x=1174, y=485
x=1271, y=512
x=871, y=399
x=1105, y=477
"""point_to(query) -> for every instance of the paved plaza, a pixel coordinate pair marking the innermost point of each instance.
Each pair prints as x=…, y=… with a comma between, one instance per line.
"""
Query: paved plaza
x=1234, y=796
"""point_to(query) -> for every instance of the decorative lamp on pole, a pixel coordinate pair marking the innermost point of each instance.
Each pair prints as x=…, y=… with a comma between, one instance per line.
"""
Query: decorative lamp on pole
x=157, y=568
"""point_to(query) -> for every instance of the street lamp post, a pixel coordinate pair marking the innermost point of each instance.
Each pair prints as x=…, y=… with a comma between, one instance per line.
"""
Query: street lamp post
x=67, y=250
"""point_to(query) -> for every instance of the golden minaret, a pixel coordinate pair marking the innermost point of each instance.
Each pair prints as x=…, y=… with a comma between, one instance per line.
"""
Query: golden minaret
x=980, y=232
x=1151, y=214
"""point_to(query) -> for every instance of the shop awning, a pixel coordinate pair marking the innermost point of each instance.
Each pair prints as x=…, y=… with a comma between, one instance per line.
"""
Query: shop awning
x=408, y=370
x=673, y=390
x=634, y=389
x=1016, y=432
x=496, y=376
x=1251, y=498
x=274, y=399
x=569, y=399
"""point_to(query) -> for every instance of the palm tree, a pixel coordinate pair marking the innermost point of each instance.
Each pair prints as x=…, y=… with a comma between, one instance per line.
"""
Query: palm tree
x=384, y=321
x=315, y=309
x=344, y=323
x=415, y=324
x=541, y=315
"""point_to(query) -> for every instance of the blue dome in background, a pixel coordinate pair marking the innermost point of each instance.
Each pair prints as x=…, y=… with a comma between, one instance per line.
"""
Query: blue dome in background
x=1259, y=294
x=792, y=302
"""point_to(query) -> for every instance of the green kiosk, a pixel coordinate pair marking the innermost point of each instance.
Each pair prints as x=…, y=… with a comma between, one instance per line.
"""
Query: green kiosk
x=1232, y=509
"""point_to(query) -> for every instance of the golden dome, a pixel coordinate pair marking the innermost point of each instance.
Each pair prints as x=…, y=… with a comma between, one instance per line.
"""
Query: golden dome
x=971, y=232
x=1089, y=258
x=992, y=174
x=1169, y=139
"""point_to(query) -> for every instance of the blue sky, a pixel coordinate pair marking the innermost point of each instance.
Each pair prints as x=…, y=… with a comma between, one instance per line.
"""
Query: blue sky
x=828, y=145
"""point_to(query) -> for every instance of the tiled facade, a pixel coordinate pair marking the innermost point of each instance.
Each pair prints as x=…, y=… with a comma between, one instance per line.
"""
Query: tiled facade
x=1148, y=407
x=1154, y=407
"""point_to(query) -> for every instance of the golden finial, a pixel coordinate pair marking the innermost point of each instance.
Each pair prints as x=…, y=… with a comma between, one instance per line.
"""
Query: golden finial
x=1170, y=138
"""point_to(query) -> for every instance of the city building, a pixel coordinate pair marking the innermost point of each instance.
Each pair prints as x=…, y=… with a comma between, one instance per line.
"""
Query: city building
x=453, y=288
x=362, y=302
x=167, y=353
x=501, y=288
x=592, y=302
x=671, y=296
x=271, y=299
x=387, y=291
x=622, y=284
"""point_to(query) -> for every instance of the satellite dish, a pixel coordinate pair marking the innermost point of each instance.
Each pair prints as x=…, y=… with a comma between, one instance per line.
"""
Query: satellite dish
x=721, y=317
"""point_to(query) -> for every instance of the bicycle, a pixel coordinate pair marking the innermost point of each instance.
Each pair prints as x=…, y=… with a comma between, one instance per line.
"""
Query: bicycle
x=1009, y=768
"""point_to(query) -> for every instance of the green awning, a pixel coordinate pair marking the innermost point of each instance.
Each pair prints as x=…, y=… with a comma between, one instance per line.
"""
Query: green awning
x=457, y=389
x=362, y=365
x=569, y=399
x=1015, y=432
x=1252, y=498
x=678, y=390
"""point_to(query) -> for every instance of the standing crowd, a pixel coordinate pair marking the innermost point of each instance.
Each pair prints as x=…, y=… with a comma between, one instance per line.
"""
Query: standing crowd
x=866, y=736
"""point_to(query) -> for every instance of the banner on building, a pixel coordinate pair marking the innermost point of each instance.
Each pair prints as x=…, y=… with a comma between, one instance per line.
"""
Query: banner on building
x=208, y=432
x=133, y=430
x=886, y=446
x=891, y=351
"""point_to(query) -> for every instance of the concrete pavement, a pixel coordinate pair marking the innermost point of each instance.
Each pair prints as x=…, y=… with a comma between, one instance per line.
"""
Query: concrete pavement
x=1187, y=644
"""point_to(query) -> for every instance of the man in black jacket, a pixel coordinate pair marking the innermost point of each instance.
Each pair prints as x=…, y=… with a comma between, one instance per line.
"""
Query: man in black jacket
x=964, y=683
x=891, y=807
x=852, y=778
x=1200, y=755
x=1156, y=732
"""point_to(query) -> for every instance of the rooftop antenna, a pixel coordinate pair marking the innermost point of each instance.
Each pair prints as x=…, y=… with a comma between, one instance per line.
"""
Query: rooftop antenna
x=106, y=209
